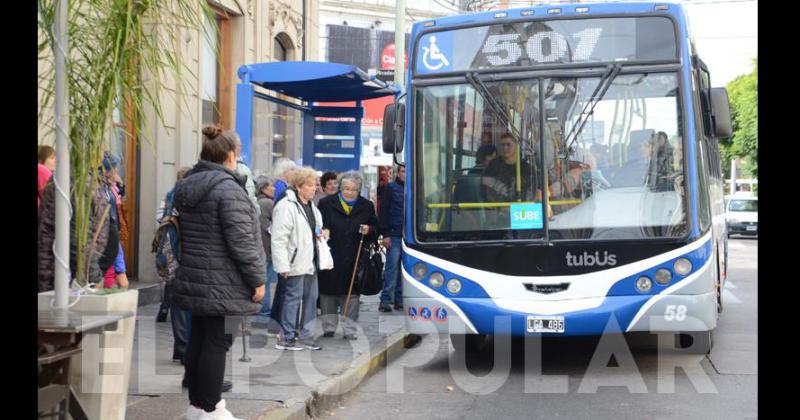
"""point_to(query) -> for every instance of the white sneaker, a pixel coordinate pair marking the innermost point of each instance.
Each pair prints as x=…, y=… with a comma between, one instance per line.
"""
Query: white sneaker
x=193, y=413
x=221, y=413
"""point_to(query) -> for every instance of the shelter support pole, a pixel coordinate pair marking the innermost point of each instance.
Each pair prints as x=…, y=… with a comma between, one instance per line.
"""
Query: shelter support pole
x=62, y=181
x=244, y=119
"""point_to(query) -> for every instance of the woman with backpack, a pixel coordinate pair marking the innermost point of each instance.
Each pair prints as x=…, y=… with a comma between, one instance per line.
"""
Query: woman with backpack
x=348, y=216
x=116, y=273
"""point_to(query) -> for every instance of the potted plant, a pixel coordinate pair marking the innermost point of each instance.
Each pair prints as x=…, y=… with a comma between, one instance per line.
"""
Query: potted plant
x=120, y=55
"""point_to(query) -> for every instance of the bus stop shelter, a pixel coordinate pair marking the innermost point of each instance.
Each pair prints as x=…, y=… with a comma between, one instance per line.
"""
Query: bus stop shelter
x=331, y=134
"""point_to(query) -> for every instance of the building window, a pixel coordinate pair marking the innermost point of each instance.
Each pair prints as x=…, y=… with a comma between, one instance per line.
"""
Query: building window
x=208, y=62
x=215, y=62
x=280, y=50
x=277, y=130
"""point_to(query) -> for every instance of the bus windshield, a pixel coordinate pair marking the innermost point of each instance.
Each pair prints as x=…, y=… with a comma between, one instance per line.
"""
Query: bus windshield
x=594, y=163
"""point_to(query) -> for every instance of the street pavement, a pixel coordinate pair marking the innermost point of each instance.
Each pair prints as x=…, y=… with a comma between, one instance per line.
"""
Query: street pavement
x=270, y=380
x=431, y=381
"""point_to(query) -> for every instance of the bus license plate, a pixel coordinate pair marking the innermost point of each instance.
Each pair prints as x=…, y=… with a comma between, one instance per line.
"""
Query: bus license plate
x=752, y=228
x=546, y=324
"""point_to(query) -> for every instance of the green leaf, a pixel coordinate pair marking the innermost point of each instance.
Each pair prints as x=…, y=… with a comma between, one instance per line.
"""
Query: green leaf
x=112, y=43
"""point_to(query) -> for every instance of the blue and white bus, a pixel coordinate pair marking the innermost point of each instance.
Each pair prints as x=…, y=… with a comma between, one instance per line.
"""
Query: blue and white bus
x=563, y=169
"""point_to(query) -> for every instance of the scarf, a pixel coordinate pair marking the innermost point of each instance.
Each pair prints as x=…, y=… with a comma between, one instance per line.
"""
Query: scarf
x=347, y=205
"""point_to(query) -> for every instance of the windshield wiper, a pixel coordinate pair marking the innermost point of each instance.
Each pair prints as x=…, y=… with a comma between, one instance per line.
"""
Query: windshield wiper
x=498, y=109
x=606, y=80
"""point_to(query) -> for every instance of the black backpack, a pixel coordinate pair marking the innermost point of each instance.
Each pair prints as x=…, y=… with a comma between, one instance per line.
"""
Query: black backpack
x=166, y=243
x=369, y=277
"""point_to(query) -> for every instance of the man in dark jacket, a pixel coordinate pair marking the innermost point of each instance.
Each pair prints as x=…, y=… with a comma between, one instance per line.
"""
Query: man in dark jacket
x=391, y=220
x=222, y=266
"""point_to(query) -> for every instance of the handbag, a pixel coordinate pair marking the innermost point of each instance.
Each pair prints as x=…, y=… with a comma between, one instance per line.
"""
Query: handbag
x=325, y=257
x=369, y=279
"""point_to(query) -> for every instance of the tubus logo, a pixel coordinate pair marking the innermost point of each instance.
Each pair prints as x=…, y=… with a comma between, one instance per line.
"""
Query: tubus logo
x=588, y=260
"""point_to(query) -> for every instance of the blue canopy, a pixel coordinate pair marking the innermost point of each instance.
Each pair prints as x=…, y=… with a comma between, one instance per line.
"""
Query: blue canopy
x=313, y=81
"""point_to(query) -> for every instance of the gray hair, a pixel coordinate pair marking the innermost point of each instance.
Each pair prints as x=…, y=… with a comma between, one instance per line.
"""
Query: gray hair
x=351, y=176
x=237, y=141
x=263, y=181
x=281, y=166
x=233, y=135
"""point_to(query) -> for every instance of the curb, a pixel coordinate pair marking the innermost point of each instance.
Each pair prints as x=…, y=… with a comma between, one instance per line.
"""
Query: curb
x=329, y=393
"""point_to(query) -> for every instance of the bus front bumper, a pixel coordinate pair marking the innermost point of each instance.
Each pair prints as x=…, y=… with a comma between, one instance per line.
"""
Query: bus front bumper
x=613, y=314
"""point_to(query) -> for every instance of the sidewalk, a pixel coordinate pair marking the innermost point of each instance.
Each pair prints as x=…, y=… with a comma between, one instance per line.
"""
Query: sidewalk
x=274, y=384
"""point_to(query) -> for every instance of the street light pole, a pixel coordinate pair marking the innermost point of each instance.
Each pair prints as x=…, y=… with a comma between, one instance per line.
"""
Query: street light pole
x=399, y=44
x=61, y=245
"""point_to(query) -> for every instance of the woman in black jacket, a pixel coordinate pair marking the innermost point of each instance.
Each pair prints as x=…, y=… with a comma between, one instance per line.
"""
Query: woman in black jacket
x=222, y=266
x=347, y=215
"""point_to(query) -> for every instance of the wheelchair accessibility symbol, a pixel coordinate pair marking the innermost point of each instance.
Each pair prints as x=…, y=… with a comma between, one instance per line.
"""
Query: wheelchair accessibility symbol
x=432, y=58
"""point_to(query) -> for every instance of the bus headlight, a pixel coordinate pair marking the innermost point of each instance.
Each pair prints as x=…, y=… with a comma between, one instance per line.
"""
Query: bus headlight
x=644, y=284
x=420, y=270
x=683, y=266
x=454, y=286
x=663, y=276
x=436, y=280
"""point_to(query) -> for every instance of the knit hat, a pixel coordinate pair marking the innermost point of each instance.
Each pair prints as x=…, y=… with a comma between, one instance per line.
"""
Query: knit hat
x=109, y=161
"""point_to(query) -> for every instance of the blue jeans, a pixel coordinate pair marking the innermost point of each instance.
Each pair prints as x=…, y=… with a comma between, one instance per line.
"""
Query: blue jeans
x=297, y=321
x=264, y=314
x=392, y=280
x=180, y=324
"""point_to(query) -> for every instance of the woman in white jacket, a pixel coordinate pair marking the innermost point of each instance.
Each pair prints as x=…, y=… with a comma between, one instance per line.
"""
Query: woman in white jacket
x=296, y=226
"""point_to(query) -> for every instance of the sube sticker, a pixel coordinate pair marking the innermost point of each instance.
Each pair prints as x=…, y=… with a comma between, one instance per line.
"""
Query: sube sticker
x=526, y=216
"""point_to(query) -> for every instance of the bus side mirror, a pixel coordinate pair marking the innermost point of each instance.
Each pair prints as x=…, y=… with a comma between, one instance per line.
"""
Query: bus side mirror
x=720, y=113
x=394, y=127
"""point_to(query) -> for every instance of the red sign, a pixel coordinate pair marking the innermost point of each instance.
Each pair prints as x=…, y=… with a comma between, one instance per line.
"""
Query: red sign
x=388, y=58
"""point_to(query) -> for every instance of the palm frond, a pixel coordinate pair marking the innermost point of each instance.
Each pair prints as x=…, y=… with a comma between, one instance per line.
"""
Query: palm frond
x=113, y=46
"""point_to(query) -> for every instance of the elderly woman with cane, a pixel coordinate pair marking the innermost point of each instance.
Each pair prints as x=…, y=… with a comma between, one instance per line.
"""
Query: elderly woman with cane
x=351, y=219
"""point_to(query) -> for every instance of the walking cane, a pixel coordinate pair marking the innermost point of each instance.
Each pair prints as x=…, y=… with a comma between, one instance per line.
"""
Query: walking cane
x=245, y=357
x=353, y=277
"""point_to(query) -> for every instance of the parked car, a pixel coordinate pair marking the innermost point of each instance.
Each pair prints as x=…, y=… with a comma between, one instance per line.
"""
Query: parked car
x=741, y=215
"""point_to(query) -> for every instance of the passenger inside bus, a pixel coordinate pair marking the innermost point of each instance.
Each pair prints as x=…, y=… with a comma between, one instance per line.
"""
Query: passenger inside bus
x=500, y=176
x=485, y=155
x=664, y=159
x=634, y=171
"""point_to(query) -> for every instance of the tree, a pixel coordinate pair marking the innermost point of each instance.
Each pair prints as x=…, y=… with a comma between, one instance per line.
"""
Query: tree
x=743, y=95
x=121, y=55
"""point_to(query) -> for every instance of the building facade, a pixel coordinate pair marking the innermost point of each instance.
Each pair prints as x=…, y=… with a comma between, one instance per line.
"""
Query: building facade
x=249, y=31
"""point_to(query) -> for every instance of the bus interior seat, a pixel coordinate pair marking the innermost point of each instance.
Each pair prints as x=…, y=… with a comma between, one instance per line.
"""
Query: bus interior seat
x=615, y=155
x=467, y=189
x=638, y=138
